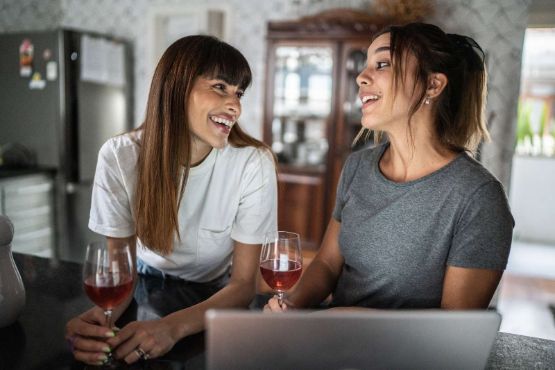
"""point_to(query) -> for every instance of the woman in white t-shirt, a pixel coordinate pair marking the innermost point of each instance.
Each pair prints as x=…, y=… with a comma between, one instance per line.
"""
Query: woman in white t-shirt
x=209, y=230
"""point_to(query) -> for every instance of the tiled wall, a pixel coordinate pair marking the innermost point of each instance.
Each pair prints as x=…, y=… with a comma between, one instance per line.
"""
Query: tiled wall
x=498, y=25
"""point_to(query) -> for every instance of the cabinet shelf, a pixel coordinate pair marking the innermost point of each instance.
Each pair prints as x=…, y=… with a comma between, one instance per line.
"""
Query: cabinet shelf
x=305, y=111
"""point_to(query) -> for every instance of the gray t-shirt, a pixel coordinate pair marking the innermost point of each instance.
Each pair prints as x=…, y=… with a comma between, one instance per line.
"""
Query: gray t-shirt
x=397, y=238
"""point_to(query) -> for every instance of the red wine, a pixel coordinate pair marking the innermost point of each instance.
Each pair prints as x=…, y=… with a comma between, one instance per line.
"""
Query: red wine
x=280, y=276
x=105, y=295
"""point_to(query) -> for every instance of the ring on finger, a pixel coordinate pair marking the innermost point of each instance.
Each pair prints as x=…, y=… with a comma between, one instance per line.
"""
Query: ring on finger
x=141, y=353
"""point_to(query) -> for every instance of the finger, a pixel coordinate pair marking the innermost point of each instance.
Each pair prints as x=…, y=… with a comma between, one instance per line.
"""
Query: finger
x=127, y=343
x=90, y=345
x=91, y=358
x=94, y=316
x=132, y=357
x=148, y=350
x=85, y=329
x=122, y=335
x=275, y=306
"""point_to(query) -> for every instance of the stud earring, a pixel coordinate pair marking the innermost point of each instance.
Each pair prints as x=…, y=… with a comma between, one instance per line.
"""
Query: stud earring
x=427, y=100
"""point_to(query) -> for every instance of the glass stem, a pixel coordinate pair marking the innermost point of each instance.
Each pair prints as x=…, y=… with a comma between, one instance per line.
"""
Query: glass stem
x=108, y=314
x=280, y=298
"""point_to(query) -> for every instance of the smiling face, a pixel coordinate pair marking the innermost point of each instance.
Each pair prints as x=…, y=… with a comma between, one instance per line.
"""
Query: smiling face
x=383, y=106
x=213, y=108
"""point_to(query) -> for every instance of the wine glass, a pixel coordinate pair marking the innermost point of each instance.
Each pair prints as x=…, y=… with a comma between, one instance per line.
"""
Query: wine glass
x=281, y=261
x=108, y=277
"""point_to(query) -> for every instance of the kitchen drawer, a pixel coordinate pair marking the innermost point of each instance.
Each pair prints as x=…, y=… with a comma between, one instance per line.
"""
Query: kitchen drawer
x=29, y=202
x=32, y=219
x=26, y=196
x=38, y=242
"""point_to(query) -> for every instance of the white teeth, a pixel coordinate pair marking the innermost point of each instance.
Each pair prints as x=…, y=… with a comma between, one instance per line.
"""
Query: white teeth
x=369, y=97
x=223, y=121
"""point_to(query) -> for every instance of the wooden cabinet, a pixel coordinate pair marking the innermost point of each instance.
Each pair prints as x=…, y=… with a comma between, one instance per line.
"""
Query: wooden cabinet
x=312, y=111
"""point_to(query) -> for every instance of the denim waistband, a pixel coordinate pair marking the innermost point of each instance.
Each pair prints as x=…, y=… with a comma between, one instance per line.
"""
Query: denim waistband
x=144, y=269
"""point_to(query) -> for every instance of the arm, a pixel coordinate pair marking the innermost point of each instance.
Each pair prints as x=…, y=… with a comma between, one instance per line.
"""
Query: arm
x=480, y=250
x=469, y=288
x=320, y=277
x=87, y=332
x=159, y=336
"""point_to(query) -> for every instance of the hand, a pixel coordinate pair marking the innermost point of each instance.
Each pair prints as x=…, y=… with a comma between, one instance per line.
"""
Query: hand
x=87, y=337
x=153, y=338
x=274, y=306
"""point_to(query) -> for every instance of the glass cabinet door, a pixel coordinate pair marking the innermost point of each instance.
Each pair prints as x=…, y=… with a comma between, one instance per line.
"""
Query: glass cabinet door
x=355, y=63
x=302, y=103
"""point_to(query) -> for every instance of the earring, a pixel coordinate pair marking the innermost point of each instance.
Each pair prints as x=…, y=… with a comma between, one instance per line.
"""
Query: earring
x=427, y=100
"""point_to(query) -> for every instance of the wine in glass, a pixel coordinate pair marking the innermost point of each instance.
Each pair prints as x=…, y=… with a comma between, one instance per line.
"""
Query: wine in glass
x=108, y=277
x=281, y=261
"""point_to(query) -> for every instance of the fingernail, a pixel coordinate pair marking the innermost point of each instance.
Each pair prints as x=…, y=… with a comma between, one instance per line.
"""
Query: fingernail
x=110, y=334
x=103, y=358
x=106, y=349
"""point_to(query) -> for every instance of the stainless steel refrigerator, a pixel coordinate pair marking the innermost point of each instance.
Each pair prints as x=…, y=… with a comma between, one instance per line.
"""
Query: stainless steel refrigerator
x=62, y=94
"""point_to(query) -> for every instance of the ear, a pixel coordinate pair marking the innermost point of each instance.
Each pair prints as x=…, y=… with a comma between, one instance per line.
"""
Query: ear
x=436, y=84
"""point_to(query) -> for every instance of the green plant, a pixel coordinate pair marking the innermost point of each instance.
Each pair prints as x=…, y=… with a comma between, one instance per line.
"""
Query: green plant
x=524, y=127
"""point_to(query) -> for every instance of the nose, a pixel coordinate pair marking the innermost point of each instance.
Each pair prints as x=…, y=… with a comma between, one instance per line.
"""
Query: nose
x=233, y=105
x=364, y=77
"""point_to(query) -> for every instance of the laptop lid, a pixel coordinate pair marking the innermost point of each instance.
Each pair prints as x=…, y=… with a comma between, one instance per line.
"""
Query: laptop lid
x=410, y=339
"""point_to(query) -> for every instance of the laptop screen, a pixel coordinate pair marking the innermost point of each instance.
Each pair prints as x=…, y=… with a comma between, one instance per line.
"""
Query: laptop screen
x=424, y=339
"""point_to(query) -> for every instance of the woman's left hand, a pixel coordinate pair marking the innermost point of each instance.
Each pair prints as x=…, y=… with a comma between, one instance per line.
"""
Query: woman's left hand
x=143, y=340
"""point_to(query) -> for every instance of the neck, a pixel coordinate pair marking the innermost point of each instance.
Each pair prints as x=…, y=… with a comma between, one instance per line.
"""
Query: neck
x=414, y=153
x=199, y=152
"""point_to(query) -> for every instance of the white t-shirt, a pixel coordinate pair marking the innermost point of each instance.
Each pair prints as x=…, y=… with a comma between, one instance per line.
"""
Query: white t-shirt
x=231, y=195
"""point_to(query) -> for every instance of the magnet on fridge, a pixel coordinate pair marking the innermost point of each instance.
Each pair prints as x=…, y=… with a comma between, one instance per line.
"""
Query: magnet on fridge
x=51, y=71
x=37, y=83
x=26, y=50
x=47, y=54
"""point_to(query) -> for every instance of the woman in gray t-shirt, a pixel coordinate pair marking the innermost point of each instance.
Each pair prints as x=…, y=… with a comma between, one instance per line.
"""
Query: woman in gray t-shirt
x=418, y=223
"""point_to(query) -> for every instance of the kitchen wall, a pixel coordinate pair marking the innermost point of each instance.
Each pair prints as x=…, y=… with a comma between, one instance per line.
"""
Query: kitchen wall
x=498, y=25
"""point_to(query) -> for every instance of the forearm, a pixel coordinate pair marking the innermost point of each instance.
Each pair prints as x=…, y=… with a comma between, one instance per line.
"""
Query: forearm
x=190, y=320
x=315, y=286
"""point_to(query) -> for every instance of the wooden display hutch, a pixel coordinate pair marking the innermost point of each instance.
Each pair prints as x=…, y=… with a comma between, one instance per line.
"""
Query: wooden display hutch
x=312, y=111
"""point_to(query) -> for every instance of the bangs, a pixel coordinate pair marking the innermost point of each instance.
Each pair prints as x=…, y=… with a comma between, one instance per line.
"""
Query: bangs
x=226, y=63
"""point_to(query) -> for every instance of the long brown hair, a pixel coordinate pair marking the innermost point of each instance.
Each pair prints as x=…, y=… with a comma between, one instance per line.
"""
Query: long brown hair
x=165, y=144
x=459, y=120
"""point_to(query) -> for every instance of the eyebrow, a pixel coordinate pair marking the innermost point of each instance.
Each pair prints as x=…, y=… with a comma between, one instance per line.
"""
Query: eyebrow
x=381, y=48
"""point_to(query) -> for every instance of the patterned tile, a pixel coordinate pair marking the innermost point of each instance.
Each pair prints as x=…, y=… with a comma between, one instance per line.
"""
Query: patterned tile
x=498, y=25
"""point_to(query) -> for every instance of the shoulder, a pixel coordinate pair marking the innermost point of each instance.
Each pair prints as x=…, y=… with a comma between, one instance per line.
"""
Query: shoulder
x=472, y=183
x=470, y=174
x=124, y=147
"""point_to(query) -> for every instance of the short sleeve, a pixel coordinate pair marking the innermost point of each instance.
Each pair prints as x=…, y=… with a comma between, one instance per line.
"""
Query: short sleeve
x=483, y=235
x=257, y=212
x=110, y=206
x=347, y=174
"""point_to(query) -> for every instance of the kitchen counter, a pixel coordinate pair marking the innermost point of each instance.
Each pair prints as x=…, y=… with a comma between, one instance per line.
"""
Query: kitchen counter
x=6, y=172
x=54, y=294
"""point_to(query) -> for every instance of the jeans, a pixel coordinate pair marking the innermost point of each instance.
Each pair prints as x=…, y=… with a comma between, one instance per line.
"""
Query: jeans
x=159, y=294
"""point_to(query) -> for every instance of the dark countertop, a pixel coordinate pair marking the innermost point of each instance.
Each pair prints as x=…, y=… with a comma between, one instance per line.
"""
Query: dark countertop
x=6, y=172
x=54, y=294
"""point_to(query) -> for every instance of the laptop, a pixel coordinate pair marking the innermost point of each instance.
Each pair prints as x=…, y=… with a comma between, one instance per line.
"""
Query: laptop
x=409, y=339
